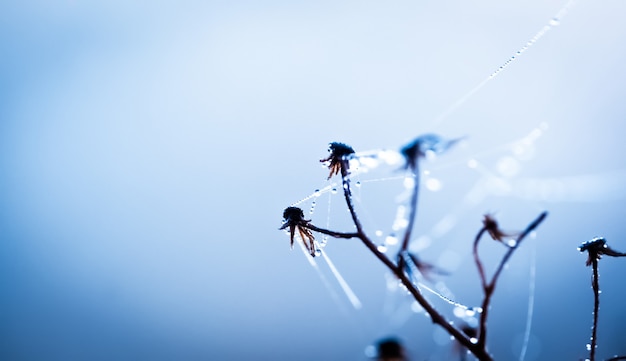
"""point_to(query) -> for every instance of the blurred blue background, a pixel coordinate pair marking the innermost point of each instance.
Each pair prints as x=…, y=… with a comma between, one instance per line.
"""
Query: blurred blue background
x=147, y=150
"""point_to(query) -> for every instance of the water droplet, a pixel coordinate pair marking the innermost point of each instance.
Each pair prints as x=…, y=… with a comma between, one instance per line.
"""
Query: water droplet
x=416, y=307
x=433, y=184
x=511, y=243
x=382, y=248
x=555, y=22
x=508, y=166
x=317, y=193
x=318, y=252
x=333, y=190
x=472, y=163
x=358, y=183
x=370, y=352
x=390, y=157
x=474, y=340
x=408, y=182
x=391, y=240
x=588, y=347
x=324, y=241
x=378, y=233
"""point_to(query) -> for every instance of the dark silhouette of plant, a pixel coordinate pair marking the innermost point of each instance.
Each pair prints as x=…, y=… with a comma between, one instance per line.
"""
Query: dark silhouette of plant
x=407, y=263
x=596, y=248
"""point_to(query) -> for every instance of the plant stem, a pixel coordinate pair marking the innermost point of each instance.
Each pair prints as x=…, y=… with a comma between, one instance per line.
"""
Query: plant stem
x=595, y=284
x=489, y=288
x=413, y=208
x=332, y=233
x=436, y=317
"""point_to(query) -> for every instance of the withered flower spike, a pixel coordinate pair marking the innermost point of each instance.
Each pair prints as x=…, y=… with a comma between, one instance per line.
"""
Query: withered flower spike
x=491, y=226
x=294, y=219
x=337, y=152
x=596, y=247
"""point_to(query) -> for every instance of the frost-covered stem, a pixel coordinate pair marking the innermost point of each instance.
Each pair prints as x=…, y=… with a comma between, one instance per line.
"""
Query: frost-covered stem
x=491, y=286
x=436, y=317
x=413, y=207
x=595, y=284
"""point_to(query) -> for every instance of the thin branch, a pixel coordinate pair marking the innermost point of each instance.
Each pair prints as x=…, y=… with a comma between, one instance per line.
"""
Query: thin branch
x=334, y=234
x=479, y=264
x=436, y=317
x=489, y=288
x=595, y=284
x=413, y=207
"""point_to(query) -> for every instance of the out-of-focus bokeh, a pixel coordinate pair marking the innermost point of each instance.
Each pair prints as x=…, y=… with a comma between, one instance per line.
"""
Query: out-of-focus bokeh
x=147, y=150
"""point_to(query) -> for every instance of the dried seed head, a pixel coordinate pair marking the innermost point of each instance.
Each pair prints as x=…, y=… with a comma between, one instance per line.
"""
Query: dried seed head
x=424, y=144
x=596, y=247
x=337, y=152
x=293, y=215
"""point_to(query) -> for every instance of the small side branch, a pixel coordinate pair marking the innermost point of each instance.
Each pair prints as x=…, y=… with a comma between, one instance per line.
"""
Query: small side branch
x=490, y=287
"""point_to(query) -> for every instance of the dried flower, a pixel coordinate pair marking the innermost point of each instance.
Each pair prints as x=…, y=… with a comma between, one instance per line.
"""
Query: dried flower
x=337, y=152
x=293, y=217
x=596, y=247
x=424, y=144
x=491, y=226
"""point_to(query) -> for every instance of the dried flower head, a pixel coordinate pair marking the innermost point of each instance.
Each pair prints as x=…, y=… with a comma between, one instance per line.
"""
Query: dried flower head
x=424, y=144
x=596, y=247
x=491, y=226
x=337, y=152
x=293, y=217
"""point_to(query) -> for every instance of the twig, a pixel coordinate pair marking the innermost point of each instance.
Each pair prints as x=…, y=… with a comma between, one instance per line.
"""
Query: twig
x=490, y=287
x=436, y=317
x=595, y=284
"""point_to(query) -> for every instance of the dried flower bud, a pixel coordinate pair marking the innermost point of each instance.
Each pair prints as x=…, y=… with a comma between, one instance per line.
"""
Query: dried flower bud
x=596, y=247
x=337, y=152
x=427, y=143
x=293, y=217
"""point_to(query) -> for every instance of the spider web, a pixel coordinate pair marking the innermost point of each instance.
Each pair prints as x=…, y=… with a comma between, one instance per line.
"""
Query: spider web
x=496, y=173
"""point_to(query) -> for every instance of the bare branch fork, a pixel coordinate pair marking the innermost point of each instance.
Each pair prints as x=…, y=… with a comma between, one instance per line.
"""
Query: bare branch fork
x=338, y=163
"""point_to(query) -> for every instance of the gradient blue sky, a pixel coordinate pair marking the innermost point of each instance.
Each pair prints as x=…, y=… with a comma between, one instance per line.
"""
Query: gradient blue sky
x=147, y=150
